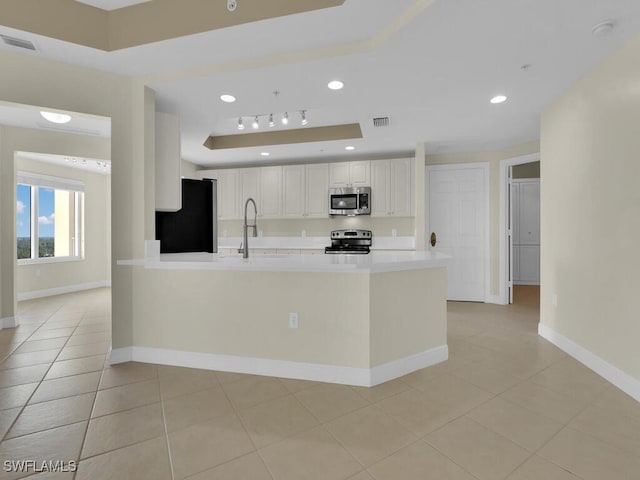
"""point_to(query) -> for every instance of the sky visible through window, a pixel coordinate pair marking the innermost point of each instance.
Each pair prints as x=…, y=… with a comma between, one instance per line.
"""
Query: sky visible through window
x=45, y=211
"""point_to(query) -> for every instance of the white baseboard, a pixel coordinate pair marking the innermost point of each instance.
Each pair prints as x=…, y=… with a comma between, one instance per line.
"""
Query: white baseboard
x=61, y=290
x=620, y=379
x=8, y=322
x=364, y=377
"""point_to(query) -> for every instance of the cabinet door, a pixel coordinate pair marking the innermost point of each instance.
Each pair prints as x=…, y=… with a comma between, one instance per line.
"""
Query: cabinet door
x=380, y=191
x=339, y=175
x=293, y=179
x=529, y=224
x=515, y=213
x=360, y=173
x=249, y=187
x=317, y=190
x=228, y=194
x=270, y=205
x=529, y=272
x=401, y=191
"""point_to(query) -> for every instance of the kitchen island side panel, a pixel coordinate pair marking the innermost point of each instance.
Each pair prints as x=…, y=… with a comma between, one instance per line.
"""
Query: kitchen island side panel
x=408, y=313
x=246, y=313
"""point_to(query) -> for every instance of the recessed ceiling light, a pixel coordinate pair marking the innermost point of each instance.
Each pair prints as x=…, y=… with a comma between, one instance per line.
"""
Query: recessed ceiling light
x=335, y=85
x=265, y=154
x=227, y=98
x=349, y=147
x=498, y=99
x=56, y=117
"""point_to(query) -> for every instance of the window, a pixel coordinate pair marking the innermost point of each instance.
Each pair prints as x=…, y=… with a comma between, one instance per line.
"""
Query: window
x=49, y=218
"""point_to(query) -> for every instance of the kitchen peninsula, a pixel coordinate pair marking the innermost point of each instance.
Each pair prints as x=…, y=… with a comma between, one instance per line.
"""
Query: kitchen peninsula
x=351, y=319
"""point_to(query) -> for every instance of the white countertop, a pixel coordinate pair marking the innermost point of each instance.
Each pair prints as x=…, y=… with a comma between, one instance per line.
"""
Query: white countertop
x=374, y=262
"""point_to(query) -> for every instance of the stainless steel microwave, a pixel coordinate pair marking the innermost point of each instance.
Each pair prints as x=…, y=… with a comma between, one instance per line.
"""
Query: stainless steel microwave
x=350, y=201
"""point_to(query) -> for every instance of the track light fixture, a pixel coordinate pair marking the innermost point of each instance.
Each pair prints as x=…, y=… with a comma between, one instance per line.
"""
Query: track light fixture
x=270, y=121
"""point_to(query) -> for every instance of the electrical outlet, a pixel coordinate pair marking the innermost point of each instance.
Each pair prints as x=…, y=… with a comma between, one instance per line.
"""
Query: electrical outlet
x=394, y=232
x=293, y=319
x=37, y=272
x=554, y=299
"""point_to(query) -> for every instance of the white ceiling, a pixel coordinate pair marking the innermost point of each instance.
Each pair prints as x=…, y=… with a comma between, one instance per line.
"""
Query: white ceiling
x=432, y=66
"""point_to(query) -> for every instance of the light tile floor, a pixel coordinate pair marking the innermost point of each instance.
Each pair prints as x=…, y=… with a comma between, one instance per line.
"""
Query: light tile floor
x=507, y=405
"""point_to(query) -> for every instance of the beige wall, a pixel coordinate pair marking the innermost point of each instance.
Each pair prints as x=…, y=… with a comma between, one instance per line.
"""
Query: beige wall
x=95, y=266
x=493, y=158
x=35, y=81
x=590, y=212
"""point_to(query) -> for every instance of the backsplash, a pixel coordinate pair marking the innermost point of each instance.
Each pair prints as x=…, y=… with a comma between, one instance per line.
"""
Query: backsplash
x=319, y=227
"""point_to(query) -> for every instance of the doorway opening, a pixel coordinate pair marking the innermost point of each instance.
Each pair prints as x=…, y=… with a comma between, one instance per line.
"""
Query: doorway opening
x=520, y=230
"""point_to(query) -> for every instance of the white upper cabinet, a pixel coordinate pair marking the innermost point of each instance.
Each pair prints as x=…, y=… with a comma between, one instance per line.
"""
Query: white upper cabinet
x=317, y=190
x=392, y=188
x=293, y=179
x=305, y=190
x=228, y=192
x=168, y=181
x=401, y=190
x=270, y=198
x=380, y=185
x=350, y=174
x=249, y=186
x=360, y=173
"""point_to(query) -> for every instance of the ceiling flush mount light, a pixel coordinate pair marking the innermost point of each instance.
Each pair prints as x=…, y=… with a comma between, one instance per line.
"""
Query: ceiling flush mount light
x=265, y=154
x=304, y=120
x=271, y=122
x=255, y=124
x=498, y=99
x=349, y=148
x=603, y=28
x=285, y=118
x=240, y=124
x=335, y=85
x=56, y=117
x=232, y=5
x=227, y=98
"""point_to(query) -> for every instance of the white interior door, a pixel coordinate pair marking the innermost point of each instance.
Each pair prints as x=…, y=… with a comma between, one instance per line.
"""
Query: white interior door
x=512, y=231
x=457, y=214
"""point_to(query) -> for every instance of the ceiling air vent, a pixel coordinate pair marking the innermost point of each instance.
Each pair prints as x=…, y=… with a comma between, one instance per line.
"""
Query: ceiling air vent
x=18, y=42
x=381, y=122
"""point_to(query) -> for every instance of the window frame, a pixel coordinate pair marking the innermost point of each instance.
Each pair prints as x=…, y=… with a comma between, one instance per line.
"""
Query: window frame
x=36, y=181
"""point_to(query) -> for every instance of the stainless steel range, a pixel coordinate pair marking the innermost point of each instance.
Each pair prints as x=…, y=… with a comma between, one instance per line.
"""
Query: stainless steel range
x=350, y=241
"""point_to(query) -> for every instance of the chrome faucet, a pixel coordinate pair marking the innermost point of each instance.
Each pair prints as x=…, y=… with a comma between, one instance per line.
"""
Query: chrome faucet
x=245, y=244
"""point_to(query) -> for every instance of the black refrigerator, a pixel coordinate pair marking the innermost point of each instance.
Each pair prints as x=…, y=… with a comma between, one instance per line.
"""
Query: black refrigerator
x=193, y=228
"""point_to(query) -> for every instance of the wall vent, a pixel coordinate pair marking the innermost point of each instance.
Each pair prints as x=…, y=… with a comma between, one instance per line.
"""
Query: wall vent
x=381, y=122
x=18, y=42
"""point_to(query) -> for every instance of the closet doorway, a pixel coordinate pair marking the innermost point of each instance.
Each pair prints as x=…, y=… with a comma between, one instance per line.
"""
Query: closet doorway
x=524, y=233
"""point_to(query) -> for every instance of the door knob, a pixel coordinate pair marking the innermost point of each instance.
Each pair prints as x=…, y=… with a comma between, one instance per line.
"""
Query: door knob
x=433, y=239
